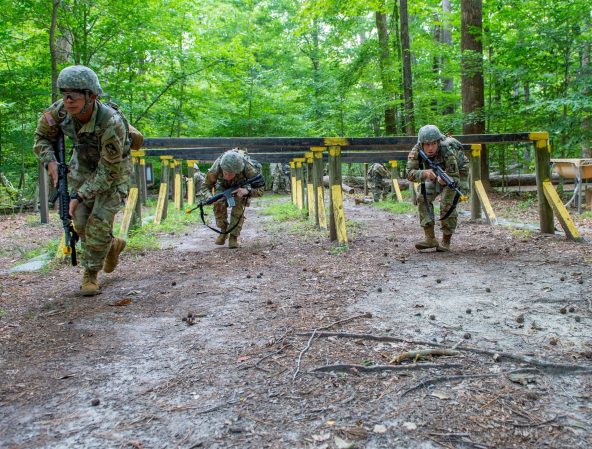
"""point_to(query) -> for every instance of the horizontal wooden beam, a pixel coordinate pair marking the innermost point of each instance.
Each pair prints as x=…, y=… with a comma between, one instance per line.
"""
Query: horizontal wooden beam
x=289, y=143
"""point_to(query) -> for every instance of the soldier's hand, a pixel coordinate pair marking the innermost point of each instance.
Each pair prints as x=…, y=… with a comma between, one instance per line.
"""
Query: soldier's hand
x=72, y=207
x=429, y=175
x=241, y=192
x=52, y=171
x=441, y=181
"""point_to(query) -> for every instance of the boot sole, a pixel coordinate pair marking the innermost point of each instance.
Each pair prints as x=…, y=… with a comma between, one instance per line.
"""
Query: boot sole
x=108, y=269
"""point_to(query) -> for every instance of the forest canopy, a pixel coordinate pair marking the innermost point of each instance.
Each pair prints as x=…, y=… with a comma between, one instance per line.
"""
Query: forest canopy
x=196, y=68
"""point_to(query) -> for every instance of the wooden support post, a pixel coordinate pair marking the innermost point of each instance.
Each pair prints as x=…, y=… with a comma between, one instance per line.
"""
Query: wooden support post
x=319, y=189
x=310, y=201
x=190, y=182
x=163, y=194
x=475, y=175
x=43, y=194
x=337, y=230
x=293, y=181
x=561, y=212
x=394, y=178
x=136, y=218
x=178, y=192
x=128, y=212
x=365, y=178
x=543, y=173
x=299, y=182
x=141, y=176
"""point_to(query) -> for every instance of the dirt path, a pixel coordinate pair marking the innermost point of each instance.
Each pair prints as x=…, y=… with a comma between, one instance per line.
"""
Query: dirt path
x=87, y=373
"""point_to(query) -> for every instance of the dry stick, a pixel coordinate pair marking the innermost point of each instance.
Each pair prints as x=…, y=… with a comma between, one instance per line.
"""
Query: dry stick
x=308, y=345
x=543, y=365
x=342, y=367
x=422, y=354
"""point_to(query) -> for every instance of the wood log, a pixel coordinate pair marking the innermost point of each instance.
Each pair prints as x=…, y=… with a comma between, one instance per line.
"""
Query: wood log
x=526, y=179
x=344, y=187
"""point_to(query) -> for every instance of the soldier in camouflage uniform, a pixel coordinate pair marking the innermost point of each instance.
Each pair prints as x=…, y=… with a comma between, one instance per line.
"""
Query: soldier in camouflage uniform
x=281, y=178
x=198, y=179
x=99, y=168
x=379, y=176
x=229, y=169
x=431, y=140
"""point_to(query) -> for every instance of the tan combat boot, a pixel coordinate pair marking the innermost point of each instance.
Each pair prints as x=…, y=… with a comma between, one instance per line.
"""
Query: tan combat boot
x=233, y=242
x=445, y=245
x=430, y=240
x=90, y=284
x=112, y=258
x=221, y=239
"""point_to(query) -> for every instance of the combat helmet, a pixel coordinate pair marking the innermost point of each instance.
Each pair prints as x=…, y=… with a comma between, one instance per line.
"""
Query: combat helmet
x=79, y=77
x=429, y=133
x=232, y=162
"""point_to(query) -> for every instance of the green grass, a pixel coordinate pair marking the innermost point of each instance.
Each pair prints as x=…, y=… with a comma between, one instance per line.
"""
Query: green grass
x=396, y=207
x=49, y=247
x=2, y=313
x=587, y=214
x=283, y=212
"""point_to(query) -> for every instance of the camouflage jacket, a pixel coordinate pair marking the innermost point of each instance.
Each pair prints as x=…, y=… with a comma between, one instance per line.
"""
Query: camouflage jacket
x=378, y=171
x=100, y=153
x=415, y=166
x=215, y=178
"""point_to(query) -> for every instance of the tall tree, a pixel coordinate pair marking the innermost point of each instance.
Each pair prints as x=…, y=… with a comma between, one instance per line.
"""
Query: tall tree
x=473, y=89
x=407, y=77
x=386, y=73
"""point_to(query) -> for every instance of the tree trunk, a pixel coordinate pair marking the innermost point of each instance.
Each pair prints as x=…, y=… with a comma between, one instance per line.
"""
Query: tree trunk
x=53, y=52
x=586, y=120
x=446, y=36
x=407, y=79
x=473, y=97
x=386, y=74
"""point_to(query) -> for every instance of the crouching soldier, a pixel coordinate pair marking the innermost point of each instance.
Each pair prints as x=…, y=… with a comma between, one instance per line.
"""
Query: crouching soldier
x=99, y=169
x=431, y=141
x=226, y=171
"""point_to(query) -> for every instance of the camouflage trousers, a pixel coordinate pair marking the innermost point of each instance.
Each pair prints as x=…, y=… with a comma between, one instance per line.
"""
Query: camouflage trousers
x=93, y=221
x=380, y=189
x=426, y=210
x=236, y=213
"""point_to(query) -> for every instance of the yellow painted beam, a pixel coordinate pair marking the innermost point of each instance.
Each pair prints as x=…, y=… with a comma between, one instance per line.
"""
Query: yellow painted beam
x=541, y=135
x=335, y=141
x=162, y=193
x=339, y=213
x=128, y=212
x=334, y=151
x=138, y=153
x=561, y=212
x=397, y=190
x=476, y=149
x=317, y=149
x=166, y=158
x=485, y=203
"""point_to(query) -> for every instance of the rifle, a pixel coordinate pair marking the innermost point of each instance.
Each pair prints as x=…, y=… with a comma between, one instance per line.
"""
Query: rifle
x=450, y=183
x=70, y=235
x=256, y=182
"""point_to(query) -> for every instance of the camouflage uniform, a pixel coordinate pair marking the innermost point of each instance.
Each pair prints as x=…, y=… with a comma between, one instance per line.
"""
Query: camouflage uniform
x=198, y=179
x=378, y=175
x=215, y=180
x=433, y=189
x=281, y=178
x=99, y=169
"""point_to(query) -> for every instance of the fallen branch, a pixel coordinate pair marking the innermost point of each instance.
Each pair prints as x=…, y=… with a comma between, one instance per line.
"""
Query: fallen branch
x=543, y=365
x=309, y=344
x=344, y=367
x=416, y=355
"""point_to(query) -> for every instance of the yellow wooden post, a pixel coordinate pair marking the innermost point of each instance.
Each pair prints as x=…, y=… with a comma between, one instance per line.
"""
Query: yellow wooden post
x=293, y=181
x=163, y=194
x=128, y=212
x=365, y=178
x=543, y=173
x=190, y=183
x=318, y=187
x=337, y=229
x=561, y=212
x=475, y=181
x=310, y=187
x=299, y=184
x=178, y=186
x=394, y=178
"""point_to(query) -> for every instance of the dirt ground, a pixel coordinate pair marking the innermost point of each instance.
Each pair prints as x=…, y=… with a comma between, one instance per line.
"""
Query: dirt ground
x=290, y=342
